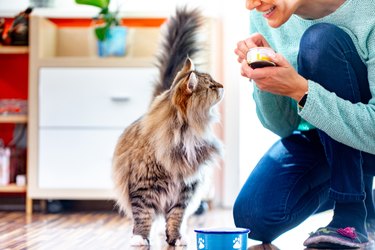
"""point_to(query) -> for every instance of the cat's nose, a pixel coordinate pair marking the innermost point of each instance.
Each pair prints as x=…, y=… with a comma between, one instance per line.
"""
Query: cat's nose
x=221, y=91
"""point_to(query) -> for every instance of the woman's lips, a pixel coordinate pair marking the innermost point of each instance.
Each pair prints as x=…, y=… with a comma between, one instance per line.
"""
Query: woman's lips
x=269, y=12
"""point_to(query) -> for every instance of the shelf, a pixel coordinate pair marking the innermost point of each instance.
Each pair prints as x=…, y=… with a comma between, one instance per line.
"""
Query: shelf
x=65, y=46
x=13, y=118
x=12, y=188
x=97, y=62
x=14, y=49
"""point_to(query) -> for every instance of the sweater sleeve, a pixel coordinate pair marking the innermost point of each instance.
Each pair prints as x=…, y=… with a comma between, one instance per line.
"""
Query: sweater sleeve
x=348, y=123
x=276, y=113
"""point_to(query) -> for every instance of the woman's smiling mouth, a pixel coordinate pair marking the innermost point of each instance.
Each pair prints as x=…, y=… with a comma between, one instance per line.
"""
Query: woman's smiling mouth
x=269, y=11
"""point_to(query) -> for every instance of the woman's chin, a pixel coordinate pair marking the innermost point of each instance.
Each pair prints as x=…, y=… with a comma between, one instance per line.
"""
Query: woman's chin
x=274, y=24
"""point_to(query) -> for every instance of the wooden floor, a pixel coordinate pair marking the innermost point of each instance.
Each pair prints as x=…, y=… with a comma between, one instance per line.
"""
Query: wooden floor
x=108, y=230
x=87, y=231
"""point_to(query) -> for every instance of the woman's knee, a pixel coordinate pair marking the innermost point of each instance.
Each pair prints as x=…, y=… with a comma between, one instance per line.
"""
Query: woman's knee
x=328, y=56
x=320, y=33
x=263, y=227
x=319, y=42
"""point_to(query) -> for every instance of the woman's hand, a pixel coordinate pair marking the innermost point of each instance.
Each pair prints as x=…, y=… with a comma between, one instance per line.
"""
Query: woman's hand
x=255, y=40
x=281, y=80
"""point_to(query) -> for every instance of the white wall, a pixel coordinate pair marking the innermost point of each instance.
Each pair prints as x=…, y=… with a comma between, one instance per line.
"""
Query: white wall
x=254, y=140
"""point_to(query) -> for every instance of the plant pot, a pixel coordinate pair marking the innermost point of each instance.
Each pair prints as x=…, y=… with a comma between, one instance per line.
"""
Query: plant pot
x=115, y=42
x=42, y=3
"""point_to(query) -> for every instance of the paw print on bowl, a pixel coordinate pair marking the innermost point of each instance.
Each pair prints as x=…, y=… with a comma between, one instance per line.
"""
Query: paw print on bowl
x=201, y=243
x=237, y=243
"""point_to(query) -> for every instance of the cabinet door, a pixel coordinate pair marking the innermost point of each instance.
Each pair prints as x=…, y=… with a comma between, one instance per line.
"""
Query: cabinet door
x=94, y=97
x=82, y=112
x=76, y=158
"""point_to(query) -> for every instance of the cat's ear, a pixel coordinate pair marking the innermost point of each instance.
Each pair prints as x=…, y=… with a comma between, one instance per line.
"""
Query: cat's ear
x=192, y=82
x=188, y=65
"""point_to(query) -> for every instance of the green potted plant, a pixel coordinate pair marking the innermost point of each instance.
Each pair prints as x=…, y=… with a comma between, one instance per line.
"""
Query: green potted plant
x=109, y=32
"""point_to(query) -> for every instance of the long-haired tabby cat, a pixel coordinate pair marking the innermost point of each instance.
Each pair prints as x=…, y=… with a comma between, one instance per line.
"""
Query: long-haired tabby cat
x=159, y=160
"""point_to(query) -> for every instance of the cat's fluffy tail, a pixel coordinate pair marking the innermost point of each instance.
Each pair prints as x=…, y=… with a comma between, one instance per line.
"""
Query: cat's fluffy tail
x=179, y=41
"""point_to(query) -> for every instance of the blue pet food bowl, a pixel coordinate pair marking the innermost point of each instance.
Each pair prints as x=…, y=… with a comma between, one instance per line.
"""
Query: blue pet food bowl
x=222, y=238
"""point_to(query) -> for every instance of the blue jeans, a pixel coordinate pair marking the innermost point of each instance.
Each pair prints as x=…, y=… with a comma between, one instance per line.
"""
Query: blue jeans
x=301, y=172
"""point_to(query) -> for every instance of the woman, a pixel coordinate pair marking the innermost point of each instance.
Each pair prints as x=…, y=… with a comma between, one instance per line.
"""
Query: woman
x=320, y=99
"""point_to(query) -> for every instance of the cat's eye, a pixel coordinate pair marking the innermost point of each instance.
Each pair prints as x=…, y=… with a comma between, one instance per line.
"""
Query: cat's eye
x=212, y=87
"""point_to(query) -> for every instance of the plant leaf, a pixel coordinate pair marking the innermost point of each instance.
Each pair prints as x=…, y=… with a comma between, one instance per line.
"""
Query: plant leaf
x=101, y=32
x=104, y=11
x=97, y=3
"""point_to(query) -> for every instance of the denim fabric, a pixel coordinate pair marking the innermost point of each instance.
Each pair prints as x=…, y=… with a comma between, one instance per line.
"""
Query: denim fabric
x=299, y=173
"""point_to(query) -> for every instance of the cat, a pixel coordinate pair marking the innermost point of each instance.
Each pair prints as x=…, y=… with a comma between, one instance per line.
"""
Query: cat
x=160, y=160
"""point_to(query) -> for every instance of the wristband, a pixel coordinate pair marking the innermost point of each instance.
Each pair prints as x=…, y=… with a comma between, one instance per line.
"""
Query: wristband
x=301, y=103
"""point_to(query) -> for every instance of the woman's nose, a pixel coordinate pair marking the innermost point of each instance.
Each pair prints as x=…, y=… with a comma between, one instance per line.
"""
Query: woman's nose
x=252, y=4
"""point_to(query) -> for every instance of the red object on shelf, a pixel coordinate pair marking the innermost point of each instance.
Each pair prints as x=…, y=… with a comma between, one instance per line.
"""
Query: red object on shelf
x=13, y=106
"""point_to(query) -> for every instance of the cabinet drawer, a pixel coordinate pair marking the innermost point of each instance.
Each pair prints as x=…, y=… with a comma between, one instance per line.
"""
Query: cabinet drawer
x=76, y=158
x=94, y=97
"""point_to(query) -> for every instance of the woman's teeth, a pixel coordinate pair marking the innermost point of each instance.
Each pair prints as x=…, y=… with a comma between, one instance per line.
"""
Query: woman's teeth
x=270, y=10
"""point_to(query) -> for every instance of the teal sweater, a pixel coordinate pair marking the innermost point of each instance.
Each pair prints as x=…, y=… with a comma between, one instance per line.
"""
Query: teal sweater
x=348, y=123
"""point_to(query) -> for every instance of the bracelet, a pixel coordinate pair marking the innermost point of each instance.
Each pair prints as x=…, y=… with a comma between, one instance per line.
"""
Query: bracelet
x=301, y=103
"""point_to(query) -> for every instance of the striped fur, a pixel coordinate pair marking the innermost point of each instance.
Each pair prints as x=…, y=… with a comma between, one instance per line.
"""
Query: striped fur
x=160, y=160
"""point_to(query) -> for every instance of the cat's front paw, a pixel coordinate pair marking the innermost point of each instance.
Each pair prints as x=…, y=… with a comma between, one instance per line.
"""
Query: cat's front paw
x=138, y=240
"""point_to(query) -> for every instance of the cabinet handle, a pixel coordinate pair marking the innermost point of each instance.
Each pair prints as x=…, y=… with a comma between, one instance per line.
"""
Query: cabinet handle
x=120, y=98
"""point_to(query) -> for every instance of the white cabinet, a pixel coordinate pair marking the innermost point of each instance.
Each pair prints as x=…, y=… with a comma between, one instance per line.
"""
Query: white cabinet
x=76, y=158
x=82, y=112
x=93, y=97
x=79, y=104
